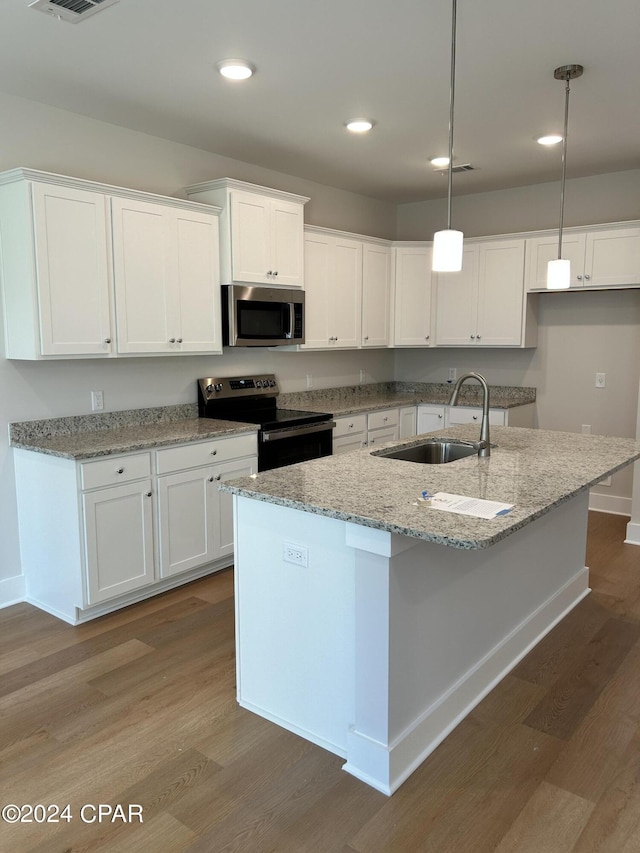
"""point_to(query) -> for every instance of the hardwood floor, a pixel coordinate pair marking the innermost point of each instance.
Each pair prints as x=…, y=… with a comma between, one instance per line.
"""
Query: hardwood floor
x=139, y=707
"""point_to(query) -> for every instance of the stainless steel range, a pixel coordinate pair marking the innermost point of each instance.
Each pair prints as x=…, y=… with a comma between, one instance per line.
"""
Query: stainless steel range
x=285, y=436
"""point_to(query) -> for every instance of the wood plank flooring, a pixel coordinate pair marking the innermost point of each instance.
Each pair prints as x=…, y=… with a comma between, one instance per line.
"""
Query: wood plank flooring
x=138, y=707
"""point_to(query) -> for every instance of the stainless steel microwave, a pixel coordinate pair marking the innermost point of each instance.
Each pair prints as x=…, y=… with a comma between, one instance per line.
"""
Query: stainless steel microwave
x=262, y=316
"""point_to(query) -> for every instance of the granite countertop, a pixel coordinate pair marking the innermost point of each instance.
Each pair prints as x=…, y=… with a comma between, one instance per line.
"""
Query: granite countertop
x=89, y=436
x=109, y=433
x=356, y=399
x=535, y=470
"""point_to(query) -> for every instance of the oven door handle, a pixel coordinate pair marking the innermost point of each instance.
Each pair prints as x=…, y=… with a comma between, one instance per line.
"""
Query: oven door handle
x=294, y=432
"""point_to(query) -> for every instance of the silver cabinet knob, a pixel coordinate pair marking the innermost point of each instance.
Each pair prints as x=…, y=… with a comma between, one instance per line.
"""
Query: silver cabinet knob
x=366, y=337
x=587, y=277
x=473, y=337
x=275, y=272
x=172, y=340
x=270, y=272
x=384, y=420
x=179, y=340
x=440, y=416
x=149, y=494
x=351, y=426
x=107, y=340
x=477, y=337
x=218, y=476
x=475, y=417
x=211, y=479
x=579, y=277
x=119, y=470
x=214, y=452
x=426, y=337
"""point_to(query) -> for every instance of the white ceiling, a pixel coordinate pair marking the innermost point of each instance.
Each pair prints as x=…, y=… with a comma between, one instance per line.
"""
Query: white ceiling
x=150, y=65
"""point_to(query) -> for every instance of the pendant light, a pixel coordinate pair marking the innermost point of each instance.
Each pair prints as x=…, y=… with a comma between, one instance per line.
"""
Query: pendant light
x=447, y=244
x=559, y=271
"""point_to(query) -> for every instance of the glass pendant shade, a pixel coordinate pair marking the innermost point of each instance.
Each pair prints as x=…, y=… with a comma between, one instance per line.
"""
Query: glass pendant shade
x=558, y=274
x=447, y=251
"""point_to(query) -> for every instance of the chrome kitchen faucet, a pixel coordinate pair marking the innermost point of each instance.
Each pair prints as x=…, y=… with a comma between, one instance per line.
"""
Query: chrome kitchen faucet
x=484, y=445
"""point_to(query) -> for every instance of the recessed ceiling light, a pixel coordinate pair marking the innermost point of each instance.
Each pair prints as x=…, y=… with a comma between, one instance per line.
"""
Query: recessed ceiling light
x=235, y=69
x=359, y=125
x=552, y=139
x=439, y=162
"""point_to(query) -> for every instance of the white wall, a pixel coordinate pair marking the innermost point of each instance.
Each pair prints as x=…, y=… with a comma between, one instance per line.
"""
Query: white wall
x=45, y=138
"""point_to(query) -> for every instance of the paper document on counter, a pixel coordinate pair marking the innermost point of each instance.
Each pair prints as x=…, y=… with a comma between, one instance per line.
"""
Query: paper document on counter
x=464, y=505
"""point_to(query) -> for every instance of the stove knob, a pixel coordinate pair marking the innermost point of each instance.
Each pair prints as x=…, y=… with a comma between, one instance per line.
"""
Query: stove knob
x=259, y=383
x=218, y=386
x=272, y=382
x=209, y=389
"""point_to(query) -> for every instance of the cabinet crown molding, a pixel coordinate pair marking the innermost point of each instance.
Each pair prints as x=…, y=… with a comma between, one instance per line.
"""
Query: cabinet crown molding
x=233, y=184
x=12, y=176
x=349, y=235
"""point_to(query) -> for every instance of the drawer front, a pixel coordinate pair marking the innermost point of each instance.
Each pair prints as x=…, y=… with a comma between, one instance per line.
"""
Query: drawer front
x=114, y=470
x=201, y=453
x=467, y=415
x=380, y=436
x=385, y=418
x=350, y=425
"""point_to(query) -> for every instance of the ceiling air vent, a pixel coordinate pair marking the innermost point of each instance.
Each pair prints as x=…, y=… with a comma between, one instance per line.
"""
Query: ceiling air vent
x=71, y=10
x=464, y=167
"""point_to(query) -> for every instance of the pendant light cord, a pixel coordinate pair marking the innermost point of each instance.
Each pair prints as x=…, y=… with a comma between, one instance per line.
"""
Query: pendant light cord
x=564, y=163
x=451, y=103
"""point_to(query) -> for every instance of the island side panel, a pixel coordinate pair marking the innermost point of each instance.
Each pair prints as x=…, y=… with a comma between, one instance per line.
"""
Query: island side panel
x=294, y=624
x=457, y=621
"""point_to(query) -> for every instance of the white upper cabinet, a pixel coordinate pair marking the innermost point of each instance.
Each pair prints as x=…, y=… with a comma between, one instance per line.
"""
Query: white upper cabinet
x=76, y=254
x=484, y=304
x=262, y=232
x=333, y=288
x=54, y=251
x=602, y=257
x=166, y=278
x=376, y=295
x=412, y=314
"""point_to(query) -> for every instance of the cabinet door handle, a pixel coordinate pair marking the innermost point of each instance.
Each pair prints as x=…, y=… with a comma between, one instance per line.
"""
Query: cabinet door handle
x=211, y=479
x=107, y=340
x=579, y=277
x=172, y=340
x=119, y=470
x=473, y=337
x=477, y=337
x=366, y=337
x=440, y=416
x=270, y=272
x=179, y=340
x=475, y=417
x=214, y=452
x=275, y=272
x=587, y=277
x=218, y=476
x=426, y=337
x=149, y=494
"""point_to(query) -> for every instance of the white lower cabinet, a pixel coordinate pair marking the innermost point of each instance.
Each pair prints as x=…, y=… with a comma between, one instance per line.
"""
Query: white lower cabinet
x=100, y=534
x=349, y=433
x=408, y=421
x=430, y=418
x=520, y=416
x=121, y=563
x=383, y=426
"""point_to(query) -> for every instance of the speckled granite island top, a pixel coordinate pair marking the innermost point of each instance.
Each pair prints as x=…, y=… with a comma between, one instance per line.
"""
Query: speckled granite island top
x=87, y=436
x=535, y=470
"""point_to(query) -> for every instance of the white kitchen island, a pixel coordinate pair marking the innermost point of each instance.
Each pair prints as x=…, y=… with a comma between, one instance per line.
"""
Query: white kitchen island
x=370, y=623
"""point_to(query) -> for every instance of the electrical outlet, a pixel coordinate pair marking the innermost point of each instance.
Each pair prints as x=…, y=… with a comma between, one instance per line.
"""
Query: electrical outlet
x=605, y=482
x=600, y=380
x=296, y=554
x=453, y=374
x=585, y=429
x=97, y=401
x=309, y=381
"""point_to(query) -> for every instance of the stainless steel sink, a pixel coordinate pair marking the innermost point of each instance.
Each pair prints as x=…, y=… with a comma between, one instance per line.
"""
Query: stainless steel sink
x=434, y=451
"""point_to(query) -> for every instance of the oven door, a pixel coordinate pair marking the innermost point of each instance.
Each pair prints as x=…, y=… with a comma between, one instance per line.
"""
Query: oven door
x=262, y=316
x=279, y=447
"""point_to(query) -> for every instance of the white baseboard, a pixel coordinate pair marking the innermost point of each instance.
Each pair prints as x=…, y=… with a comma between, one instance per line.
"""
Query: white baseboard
x=633, y=533
x=12, y=591
x=613, y=504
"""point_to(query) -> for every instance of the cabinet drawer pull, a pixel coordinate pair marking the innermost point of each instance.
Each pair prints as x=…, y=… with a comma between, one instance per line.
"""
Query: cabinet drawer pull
x=107, y=340
x=440, y=416
x=270, y=272
x=587, y=277
x=426, y=337
x=149, y=494
x=211, y=479
x=478, y=337
x=218, y=476
x=179, y=340
x=579, y=277
x=119, y=470
x=275, y=272
x=475, y=417
x=172, y=340
x=473, y=337
x=214, y=452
